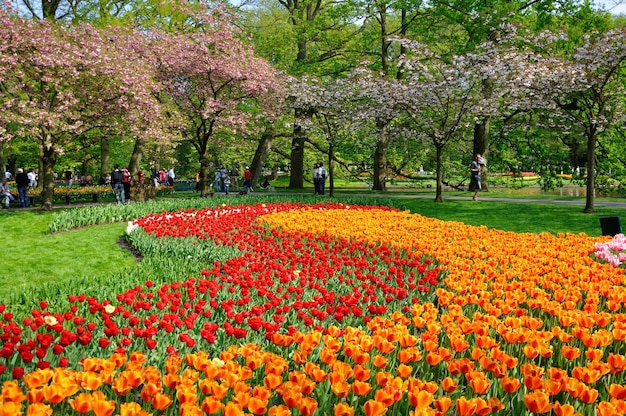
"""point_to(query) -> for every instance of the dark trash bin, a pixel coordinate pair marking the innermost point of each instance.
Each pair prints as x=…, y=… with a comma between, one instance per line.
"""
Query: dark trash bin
x=610, y=226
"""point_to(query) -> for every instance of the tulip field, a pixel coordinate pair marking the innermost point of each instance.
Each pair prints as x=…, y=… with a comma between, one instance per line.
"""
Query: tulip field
x=328, y=308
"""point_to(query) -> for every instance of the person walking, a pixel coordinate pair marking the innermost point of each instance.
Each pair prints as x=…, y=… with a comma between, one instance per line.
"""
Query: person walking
x=247, y=179
x=171, y=176
x=117, y=178
x=217, y=181
x=321, y=178
x=32, y=178
x=126, y=183
x=475, y=173
x=22, y=181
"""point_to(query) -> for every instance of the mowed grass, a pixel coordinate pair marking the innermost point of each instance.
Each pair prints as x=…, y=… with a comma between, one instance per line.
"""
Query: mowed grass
x=32, y=257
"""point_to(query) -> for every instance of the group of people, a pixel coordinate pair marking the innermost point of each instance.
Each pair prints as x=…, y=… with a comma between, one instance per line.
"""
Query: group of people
x=222, y=179
x=23, y=181
x=163, y=177
x=319, y=178
x=120, y=182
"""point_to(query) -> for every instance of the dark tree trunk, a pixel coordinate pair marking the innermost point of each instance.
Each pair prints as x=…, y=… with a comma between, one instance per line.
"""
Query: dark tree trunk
x=205, y=174
x=135, y=158
x=439, y=173
x=481, y=147
x=296, y=177
x=46, y=176
x=2, y=170
x=105, y=157
x=331, y=170
x=380, y=159
x=591, y=169
x=260, y=156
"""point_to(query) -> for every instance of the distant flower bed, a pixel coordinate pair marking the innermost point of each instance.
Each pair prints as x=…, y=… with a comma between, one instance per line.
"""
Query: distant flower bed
x=334, y=309
x=93, y=193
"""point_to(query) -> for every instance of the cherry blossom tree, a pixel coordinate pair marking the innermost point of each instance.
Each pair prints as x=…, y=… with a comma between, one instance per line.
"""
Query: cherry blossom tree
x=582, y=92
x=213, y=79
x=331, y=104
x=441, y=99
x=60, y=82
x=590, y=92
x=379, y=107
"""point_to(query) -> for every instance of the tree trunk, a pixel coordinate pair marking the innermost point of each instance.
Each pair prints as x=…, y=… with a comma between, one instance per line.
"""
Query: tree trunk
x=105, y=157
x=481, y=147
x=296, y=176
x=380, y=159
x=260, y=156
x=591, y=170
x=205, y=174
x=2, y=170
x=135, y=158
x=331, y=170
x=46, y=176
x=439, y=173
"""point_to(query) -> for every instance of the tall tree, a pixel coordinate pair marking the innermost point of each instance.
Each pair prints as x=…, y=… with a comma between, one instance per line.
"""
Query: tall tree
x=440, y=98
x=53, y=90
x=212, y=78
x=589, y=91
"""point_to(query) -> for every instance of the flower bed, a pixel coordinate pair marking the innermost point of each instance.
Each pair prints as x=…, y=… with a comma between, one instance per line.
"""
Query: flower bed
x=334, y=309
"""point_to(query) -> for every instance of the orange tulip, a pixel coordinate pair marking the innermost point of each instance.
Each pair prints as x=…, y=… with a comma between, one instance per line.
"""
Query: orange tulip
x=380, y=361
x=374, y=408
x=307, y=406
x=132, y=409
x=343, y=409
x=257, y=406
x=420, y=399
x=340, y=389
x=361, y=388
x=443, y=404
x=292, y=398
x=570, y=353
x=54, y=393
x=37, y=378
x=101, y=406
x=81, y=403
x=232, y=409
x=404, y=371
x=272, y=381
x=465, y=407
x=448, y=384
x=617, y=391
x=533, y=382
x=387, y=398
x=279, y=410
x=563, y=409
x=35, y=409
x=211, y=405
x=433, y=358
x=537, y=402
x=479, y=385
x=161, y=401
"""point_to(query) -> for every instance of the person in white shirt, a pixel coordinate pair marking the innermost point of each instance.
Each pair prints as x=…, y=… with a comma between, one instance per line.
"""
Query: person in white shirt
x=316, y=182
x=321, y=177
x=32, y=179
x=171, y=176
